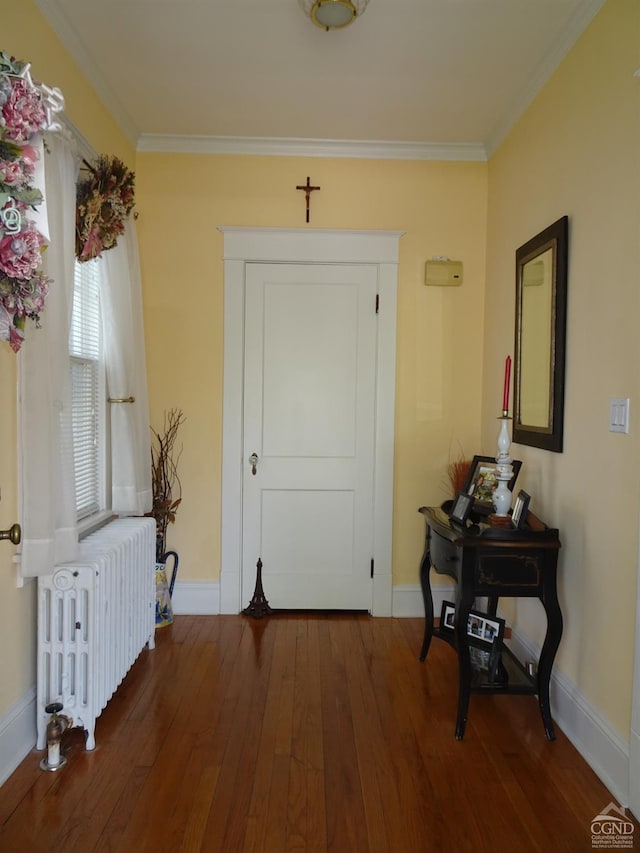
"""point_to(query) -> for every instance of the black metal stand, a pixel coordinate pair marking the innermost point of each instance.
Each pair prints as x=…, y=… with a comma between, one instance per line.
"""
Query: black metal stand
x=258, y=606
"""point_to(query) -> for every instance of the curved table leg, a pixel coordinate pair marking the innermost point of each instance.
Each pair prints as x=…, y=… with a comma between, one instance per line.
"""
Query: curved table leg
x=547, y=656
x=425, y=583
x=463, y=606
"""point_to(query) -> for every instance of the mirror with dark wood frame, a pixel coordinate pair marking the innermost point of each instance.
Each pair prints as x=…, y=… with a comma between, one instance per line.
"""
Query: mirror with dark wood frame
x=539, y=356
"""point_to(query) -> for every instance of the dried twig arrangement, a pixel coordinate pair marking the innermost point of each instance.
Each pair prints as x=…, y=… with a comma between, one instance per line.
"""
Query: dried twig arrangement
x=167, y=489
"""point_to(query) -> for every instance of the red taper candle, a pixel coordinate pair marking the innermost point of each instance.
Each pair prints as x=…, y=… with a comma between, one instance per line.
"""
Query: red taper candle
x=507, y=384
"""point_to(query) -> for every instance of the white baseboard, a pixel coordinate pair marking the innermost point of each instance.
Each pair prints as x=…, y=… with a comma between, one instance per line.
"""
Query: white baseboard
x=407, y=599
x=634, y=772
x=203, y=599
x=597, y=742
x=17, y=734
x=196, y=599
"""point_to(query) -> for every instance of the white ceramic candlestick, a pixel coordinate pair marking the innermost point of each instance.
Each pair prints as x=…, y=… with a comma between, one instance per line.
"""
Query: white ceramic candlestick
x=502, y=494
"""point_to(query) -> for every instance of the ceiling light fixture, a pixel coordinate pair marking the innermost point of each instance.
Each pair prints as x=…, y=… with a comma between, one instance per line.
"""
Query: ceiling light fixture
x=333, y=14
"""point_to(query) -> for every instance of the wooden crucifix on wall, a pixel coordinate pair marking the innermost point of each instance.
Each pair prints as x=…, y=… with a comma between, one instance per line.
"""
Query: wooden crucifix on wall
x=307, y=189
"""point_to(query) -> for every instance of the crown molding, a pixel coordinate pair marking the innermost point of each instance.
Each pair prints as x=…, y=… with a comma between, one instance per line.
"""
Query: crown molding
x=576, y=25
x=281, y=147
x=379, y=150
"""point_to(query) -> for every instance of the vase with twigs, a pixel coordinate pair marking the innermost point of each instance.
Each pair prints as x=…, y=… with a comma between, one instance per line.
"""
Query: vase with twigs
x=167, y=489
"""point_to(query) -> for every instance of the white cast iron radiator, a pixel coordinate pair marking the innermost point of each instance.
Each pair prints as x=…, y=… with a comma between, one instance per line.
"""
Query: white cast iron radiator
x=94, y=617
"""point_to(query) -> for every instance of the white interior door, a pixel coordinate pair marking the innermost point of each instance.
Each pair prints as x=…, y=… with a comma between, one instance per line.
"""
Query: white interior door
x=309, y=416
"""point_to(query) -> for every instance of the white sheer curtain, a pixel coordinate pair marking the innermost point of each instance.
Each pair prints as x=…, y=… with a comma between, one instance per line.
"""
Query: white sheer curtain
x=121, y=305
x=48, y=505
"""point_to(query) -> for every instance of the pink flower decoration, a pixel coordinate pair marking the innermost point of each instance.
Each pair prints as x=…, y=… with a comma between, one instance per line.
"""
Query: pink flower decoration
x=23, y=112
x=20, y=253
x=29, y=153
x=23, y=285
x=15, y=172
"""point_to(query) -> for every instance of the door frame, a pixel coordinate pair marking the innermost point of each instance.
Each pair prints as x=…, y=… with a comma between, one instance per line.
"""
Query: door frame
x=307, y=246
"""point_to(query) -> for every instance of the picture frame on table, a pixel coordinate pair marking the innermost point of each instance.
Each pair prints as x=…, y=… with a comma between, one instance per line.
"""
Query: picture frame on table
x=482, y=481
x=461, y=507
x=520, y=509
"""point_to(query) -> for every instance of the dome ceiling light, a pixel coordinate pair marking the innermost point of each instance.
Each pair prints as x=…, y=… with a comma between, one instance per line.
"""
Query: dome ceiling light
x=333, y=14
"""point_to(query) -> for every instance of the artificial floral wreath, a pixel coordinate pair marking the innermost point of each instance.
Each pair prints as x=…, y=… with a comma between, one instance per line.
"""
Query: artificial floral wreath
x=23, y=285
x=104, y=200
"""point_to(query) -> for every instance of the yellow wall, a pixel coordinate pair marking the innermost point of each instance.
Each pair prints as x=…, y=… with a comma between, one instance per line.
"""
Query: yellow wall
x=181, y=199
x=442, y=208
x=26, y=35
x=576, y=151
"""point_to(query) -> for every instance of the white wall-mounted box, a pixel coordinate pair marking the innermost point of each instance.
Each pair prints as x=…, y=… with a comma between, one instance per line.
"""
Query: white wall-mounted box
x=441, y=273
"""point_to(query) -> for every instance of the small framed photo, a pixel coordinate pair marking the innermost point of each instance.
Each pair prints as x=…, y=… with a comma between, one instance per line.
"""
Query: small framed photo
x=482, y=482
x=484, y=631
x=448, y=616
x=461, y=508
x=520, y=509
x=480, y=658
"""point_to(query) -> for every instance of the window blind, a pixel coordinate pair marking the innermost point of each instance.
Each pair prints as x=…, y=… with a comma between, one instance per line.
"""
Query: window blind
x=87, y=389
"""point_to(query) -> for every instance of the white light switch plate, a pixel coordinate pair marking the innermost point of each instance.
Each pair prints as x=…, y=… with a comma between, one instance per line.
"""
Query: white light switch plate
x=619, y=414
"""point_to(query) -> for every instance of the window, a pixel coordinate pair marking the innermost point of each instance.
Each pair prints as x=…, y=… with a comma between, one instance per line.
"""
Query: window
x=88, y=404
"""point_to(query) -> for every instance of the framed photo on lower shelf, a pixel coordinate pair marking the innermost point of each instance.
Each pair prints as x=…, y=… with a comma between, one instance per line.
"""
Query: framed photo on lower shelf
x=485, y=634
x=447, y=616
x=482, y=629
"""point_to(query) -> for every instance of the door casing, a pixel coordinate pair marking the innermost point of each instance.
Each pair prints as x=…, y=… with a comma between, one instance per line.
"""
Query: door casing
x=306, y=246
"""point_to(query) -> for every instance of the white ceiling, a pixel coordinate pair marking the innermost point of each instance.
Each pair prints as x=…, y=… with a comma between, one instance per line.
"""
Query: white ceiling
x=446, y=73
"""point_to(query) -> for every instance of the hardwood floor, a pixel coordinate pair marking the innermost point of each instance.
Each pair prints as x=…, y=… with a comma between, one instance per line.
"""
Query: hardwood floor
x=309, y=732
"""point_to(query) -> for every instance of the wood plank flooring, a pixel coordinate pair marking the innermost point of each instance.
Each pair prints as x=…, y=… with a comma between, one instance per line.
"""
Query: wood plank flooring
x=303, y=733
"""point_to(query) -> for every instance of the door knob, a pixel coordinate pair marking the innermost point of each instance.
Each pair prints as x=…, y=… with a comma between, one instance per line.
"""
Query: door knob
x=14, y=533
x=253, y=459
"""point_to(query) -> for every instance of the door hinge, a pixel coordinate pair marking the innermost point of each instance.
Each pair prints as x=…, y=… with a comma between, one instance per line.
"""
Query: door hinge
x=377, y=303
x=372, y=567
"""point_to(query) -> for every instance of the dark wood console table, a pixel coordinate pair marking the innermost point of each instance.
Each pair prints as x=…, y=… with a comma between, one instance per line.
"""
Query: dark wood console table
x=493, y=562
